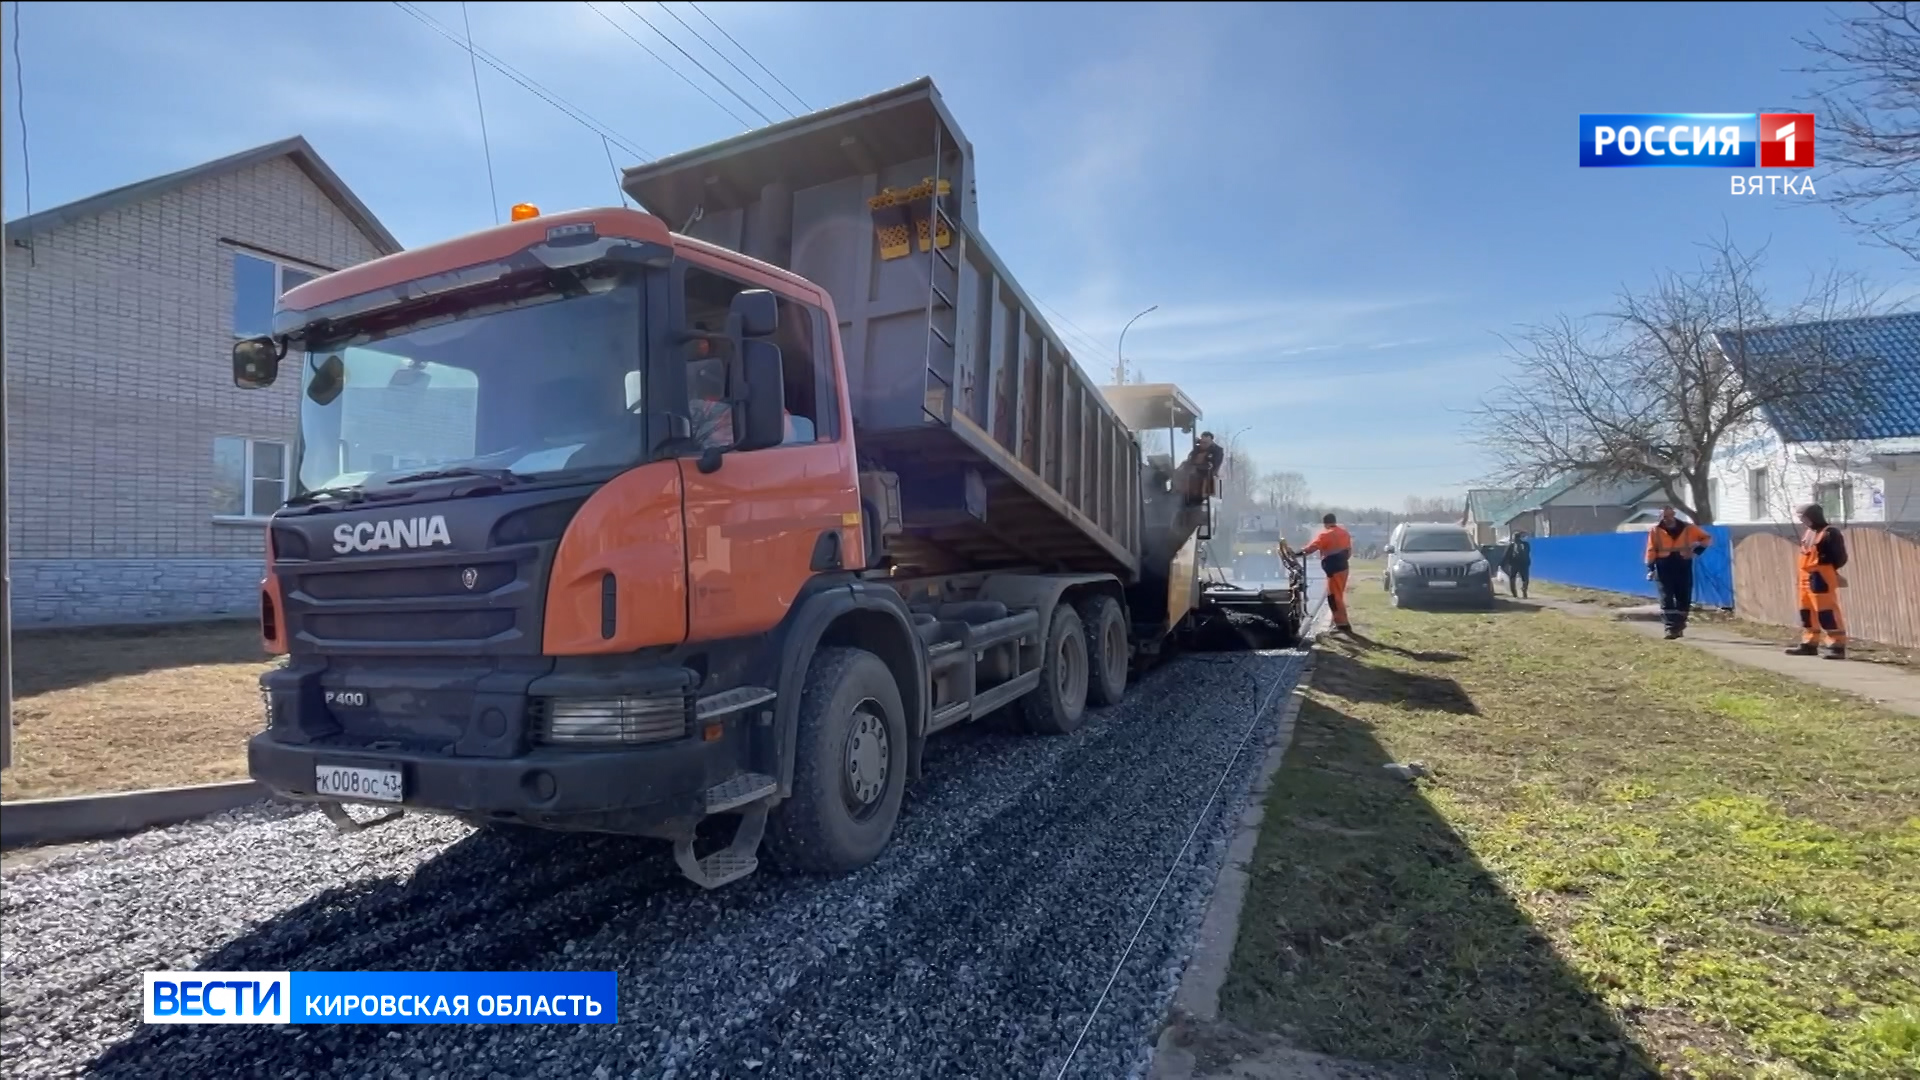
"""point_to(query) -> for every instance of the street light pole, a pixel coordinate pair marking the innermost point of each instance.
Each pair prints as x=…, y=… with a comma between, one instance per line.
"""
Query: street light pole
x=1120, y=353
x=1232, y=441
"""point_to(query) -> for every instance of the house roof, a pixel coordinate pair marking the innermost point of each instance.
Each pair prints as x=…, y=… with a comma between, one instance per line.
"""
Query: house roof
x=1600, y=493
x=1571, y=490
x=1482, y=502
x=296, y=148
x=1884, y=351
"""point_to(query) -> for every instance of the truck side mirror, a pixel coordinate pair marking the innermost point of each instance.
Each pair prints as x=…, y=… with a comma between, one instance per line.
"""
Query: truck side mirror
x=760, y=414
x=755, y=311
x=256, y=363
x=1389, y=549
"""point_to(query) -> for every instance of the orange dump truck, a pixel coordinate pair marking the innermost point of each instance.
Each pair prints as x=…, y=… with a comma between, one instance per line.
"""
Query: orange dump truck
x=601, y=526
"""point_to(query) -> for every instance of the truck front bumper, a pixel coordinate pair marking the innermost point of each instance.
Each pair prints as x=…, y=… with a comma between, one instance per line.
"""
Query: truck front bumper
x=541, y=787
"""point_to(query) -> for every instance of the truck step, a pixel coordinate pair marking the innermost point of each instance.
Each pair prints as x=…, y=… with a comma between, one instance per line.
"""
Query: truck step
x=737, y=860
x=728, y=702
x=739, y=791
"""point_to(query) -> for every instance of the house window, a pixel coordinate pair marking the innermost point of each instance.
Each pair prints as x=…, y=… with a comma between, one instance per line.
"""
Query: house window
x=1757, y=509
x=1836, y=499
x=249, y=477
x=257, y=283
x=1713, y=496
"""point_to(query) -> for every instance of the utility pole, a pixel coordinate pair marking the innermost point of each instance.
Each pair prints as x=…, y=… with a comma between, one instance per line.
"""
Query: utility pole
x=6, y=541
x=1120, y=353
x=6, y=517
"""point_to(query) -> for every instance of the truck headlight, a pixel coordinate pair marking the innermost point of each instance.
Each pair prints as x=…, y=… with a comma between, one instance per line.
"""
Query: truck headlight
x=1402, y=567
x=1478, y=566
x=620, y=720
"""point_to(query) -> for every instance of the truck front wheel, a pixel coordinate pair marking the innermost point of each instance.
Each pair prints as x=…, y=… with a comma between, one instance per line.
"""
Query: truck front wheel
x=1058, y=706
x=849, y=767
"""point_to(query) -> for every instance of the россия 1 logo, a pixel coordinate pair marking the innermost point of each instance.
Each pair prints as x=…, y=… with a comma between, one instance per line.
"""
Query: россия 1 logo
x=1696, y=140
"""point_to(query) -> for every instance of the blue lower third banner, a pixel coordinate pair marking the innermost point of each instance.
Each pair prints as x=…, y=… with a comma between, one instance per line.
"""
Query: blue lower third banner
x=381, y=997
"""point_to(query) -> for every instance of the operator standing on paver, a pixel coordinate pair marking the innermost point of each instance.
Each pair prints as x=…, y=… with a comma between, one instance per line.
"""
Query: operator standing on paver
x=1672, y=545
x=1823, y=551
x=1335, y=548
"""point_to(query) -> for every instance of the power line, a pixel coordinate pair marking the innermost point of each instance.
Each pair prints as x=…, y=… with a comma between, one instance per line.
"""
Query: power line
x=617, y=185
x=729, y=60
x=577, y=115
x=744, y=51
x=486, y=144
x=717, y=103
x=724, y=85
x=20, y=105
x=1061, y=315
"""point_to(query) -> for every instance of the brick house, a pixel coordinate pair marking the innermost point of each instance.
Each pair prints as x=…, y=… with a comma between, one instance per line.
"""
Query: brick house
x=139, y=476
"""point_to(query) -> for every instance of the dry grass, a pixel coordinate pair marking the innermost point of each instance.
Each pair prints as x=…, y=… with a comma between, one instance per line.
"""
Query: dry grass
x=124, y=709
x=1596, y=597
x=1630, y=859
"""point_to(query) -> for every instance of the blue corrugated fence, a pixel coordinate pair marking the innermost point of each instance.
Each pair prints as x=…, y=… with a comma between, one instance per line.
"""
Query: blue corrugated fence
x=1616, y=562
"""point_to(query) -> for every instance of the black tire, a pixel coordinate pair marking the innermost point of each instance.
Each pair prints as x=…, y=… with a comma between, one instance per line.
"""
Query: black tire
x=1058, y=706
x=836, y=820
x=1108, y=651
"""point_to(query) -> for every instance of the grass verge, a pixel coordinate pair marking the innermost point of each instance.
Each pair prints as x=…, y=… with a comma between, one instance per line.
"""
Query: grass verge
x=124, y=709
x=1631, y=858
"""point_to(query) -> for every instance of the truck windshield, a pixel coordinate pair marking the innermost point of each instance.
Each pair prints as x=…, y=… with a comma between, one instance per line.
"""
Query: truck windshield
x=526, y=387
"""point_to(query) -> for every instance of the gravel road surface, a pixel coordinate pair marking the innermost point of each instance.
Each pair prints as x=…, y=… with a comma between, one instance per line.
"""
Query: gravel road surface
x=976, y=946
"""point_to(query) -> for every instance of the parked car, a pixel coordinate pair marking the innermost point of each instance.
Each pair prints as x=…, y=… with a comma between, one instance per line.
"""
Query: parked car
x=1437, y=565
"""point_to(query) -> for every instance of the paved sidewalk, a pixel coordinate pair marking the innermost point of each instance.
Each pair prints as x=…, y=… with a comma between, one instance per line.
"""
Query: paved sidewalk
x=1896, y=688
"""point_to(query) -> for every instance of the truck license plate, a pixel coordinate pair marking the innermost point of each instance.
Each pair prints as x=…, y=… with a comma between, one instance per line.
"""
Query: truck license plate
x=1441, y=584
x=354, y=782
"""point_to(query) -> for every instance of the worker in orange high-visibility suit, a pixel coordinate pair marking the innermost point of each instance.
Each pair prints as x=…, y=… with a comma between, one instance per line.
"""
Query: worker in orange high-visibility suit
x=1334, y=545
x=1672, y=545
x=1822, y=553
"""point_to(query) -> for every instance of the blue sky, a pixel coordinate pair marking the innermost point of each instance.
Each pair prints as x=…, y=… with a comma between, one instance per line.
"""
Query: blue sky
x=1335, y=208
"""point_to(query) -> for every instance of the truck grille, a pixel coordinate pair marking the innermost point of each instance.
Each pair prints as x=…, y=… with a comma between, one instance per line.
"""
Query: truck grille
x=388, y=627
x=408, y=582
x=1453, y=572
x=481, y=594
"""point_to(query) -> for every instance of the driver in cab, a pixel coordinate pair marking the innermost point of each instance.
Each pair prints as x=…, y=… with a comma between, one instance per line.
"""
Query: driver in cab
x=712, y=414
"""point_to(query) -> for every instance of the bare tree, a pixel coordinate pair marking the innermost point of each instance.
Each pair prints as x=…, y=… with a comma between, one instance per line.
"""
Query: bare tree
x=1869, y=117
x=1644, y=392
x=1284, y=490
x=1239, y=480
x=1433, y=509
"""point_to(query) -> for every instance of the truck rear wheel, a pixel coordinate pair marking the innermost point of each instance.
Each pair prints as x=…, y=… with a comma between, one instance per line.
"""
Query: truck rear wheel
x=1107, y=649
x=1058, y=706
x=849, y=767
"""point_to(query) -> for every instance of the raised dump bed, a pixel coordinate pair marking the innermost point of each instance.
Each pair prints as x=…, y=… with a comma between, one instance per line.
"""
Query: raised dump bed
x=1008, y=455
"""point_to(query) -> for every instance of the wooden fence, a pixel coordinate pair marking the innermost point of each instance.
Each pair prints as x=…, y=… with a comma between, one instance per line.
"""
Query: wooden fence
x=1881, y=601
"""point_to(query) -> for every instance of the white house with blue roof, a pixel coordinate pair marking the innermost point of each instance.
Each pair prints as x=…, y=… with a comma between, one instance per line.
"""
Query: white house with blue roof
x=1856, y=452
